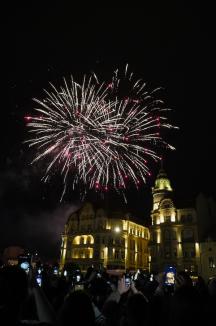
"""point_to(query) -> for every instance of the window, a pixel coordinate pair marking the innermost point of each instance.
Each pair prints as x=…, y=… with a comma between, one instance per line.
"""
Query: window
x=167, y=218
x=110, y=253
x=154, y=236
x=174, y=235
x=166, y=204
x=167, y=253
x=189, y=218
x=131, y=258
x=183, y=218
x=116, y=254
x=211, y=262
x=167, y=235
x=187, y=235
x=132, y=244
x=82, y=240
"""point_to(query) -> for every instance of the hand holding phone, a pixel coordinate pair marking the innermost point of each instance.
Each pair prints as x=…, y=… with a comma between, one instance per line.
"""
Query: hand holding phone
x=170, y=274
x=24, y=262
x=39, y=280
x=127, y=280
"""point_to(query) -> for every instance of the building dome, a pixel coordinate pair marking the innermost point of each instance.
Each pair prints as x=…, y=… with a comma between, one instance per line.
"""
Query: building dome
x=162, y=182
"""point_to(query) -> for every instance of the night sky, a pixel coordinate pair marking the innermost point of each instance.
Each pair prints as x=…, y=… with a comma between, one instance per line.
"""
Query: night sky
x=43, y=43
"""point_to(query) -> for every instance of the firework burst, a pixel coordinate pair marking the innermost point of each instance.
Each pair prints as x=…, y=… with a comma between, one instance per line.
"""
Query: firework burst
x=100, y=134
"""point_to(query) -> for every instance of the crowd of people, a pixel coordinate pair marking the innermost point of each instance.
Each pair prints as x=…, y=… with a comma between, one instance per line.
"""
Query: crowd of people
x=102, y=299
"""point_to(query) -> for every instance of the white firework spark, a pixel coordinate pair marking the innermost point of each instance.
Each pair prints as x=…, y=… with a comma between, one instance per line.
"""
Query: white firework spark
x=94, y=133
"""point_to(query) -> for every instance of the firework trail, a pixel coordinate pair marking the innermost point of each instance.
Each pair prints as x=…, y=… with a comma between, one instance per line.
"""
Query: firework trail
x=100, y=134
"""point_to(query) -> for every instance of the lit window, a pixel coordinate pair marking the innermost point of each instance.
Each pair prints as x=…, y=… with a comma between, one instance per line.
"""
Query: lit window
x=211, y=262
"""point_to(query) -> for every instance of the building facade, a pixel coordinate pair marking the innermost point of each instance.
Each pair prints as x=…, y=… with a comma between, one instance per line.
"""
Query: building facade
x=208, y=259
x=93, y=237
x=174, y=234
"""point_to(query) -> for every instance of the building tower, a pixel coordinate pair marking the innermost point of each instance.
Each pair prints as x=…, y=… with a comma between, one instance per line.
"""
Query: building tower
x=174, y=236
x=161, y=190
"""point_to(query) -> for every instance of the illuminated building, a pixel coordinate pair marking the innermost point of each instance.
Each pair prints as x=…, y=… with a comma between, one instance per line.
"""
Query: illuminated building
x=93, y=237
x=208, y=259
x=174, y=232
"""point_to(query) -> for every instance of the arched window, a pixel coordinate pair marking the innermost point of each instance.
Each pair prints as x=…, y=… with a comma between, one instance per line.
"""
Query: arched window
x=76, y=240
x=166, y=203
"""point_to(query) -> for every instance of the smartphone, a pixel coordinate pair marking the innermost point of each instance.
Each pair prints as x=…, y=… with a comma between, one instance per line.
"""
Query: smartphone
x=136, y=275
x=170, y=274
x=127, y=280
x=55, y=271
x=78, y=278
x=39, y=280
x=151, y=278
x=24, y=262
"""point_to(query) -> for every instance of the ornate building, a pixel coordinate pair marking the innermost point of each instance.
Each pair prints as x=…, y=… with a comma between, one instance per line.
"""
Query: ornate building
x=174, y=233
x=95, y=237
